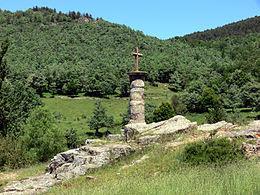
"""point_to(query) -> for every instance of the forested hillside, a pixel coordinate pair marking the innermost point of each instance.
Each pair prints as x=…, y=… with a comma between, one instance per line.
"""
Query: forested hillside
x=74, y=53
x=243, y=27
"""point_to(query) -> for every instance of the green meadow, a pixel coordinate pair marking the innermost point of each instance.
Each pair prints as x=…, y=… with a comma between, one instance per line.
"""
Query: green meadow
x=76, y=112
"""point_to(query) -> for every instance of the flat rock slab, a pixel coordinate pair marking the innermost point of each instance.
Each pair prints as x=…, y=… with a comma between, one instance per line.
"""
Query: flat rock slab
x=254, y=125
x=69, y=164
x=222, y=125
x=167, y=127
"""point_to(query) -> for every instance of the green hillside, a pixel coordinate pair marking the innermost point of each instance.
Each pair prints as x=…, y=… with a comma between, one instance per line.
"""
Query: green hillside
x=56, y=55
x=74, y=53
x=240, y=28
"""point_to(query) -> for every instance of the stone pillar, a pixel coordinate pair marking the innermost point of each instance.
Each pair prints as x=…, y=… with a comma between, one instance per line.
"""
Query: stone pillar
x=136, y=104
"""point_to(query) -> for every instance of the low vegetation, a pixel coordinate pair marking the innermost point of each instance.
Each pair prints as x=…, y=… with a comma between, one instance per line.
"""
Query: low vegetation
x=164, y=173
x=213, y=152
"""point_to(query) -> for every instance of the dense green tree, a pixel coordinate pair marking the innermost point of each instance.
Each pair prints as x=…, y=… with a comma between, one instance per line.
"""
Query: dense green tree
x=250, y=25
x=75, y=53
x=16, y=102
x=163, y=112
x=3, y=67
x=100, y=118
x=250, y=94
x=176, y=83
x=216, y=114
x=41, y=137
x=124, y=87
x=38, y=82
x=209, y=99
x=17, y=99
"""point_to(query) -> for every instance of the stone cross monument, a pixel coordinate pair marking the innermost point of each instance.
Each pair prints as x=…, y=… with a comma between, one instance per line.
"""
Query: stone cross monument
x=136, y=104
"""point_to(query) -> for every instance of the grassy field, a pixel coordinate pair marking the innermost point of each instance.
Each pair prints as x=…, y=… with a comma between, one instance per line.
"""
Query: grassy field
x=163, y=174
x=75, y=112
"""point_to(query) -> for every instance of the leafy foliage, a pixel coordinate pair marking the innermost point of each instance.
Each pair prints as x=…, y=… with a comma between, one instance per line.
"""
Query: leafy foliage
x=3, y=68
x=216, y=114
x=178, y=105
x=100, y=118
x=149, y=112
x=12, y=154
x=16, y=99
x=163, y=112
x=41, y=137
x=72, y=138
x=213, y=151
x=244, y=27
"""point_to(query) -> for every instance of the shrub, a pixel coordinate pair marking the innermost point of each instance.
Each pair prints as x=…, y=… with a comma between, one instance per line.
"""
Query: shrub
x=216, y=114
x=163, y=112
x=125, y=118
x=236, y=117
x=17, y=100
x=213, y=151
x=209, y=99
x=178, y=105
x=12, y=154
x=149, y=111
x=72, y=138
x=41, y=138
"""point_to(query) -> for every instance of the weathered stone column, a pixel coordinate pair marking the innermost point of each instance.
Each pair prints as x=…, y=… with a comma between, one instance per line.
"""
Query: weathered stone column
x=136, y=104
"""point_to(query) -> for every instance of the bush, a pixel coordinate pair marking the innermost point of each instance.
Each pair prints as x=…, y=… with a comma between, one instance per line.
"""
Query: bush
x=236, y=117
x=213, y=151
x=149, y=112
x=12, y=154
x=72, y=138
x=125, y=118
x=41, y=138
x=163, y=112
x=178, y=105
x=216, y=114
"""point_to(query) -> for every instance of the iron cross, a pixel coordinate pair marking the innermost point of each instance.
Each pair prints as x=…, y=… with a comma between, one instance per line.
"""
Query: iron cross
x=137, y=55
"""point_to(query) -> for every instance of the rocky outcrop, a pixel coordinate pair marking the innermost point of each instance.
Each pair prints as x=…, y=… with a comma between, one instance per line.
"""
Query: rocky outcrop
x=76, y=162
x=115, y=137
x=163, y=128
x=32, y=185
x=252, y=150
x=254, y=125
x=222, y=125
x=148, y=140
x=251, y=131
x=69, y=164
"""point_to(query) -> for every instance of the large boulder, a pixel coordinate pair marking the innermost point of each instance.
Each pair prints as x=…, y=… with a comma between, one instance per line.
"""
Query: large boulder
x=167, y=127
x=78, y=161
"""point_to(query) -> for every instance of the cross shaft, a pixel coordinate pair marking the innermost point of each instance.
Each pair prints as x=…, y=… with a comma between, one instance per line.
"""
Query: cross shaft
x=137, y=56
